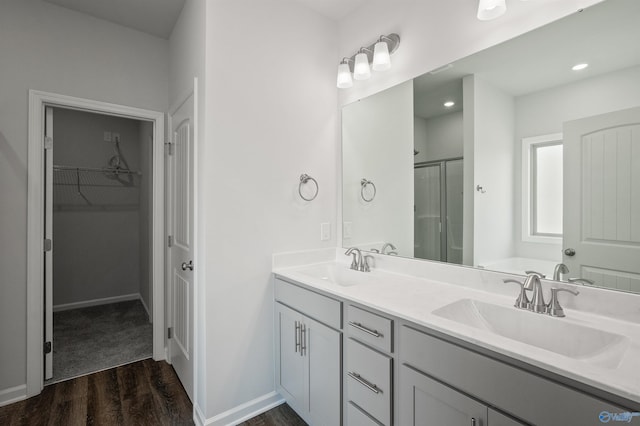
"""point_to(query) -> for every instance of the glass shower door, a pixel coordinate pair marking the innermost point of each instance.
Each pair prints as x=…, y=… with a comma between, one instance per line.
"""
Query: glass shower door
x=427, y=212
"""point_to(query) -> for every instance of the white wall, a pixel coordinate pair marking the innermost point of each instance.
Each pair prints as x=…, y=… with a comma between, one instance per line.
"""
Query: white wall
x=271, y=116
x=439, y=138
x=545, y=112
x=96, y=240
x=377, y=137
x=50, y=48
x=494, y=120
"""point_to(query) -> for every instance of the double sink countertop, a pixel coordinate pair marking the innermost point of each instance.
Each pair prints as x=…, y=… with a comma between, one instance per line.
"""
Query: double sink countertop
x=597, y=343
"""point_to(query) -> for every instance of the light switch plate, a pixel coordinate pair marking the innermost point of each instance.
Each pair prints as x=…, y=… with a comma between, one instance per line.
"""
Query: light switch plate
x=347, y=230
x=107, y=137
x=325, y=231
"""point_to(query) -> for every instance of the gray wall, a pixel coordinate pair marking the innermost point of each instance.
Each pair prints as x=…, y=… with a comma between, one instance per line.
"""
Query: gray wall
x=46, y=47
x=439, y=138
x=96, y=240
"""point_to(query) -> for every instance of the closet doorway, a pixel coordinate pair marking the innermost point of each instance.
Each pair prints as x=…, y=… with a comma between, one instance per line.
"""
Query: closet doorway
x=96, y=194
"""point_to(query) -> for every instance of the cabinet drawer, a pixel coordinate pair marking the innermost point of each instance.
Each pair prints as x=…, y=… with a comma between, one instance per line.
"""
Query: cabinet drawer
x=314, y=305
x=369, y=381
x=509, y=388
x=370, y=328
x=357, y=417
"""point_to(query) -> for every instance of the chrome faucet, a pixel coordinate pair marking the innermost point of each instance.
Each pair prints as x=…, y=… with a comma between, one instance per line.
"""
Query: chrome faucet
x=532, y=283
x=358, y=263
x=386, y=246
x=560, y=269
x=554, y=309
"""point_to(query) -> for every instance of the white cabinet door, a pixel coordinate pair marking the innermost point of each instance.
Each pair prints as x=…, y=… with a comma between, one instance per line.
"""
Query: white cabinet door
x=426, y=402
x=308, y=368
x=322, y=350
x=498, y=419
x=290, y=367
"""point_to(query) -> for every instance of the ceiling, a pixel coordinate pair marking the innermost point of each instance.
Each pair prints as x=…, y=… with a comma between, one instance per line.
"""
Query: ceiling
x=333, y=9
x=605, y=36
x=155, y=17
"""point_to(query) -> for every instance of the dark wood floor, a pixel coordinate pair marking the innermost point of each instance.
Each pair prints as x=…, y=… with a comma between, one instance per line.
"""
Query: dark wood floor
x=279, y=416
x=143, y=393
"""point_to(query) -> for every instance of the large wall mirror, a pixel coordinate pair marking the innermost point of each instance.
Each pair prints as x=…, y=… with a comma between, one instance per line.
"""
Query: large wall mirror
x=523, y=157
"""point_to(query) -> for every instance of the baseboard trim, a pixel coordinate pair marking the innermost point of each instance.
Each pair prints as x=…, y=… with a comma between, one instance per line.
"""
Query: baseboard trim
x=14, y=394
x=240, y=413
x=146, y=308
x=96, y=302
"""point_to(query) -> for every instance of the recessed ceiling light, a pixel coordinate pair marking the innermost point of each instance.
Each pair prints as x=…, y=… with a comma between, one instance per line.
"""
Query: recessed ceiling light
x=579, y=67
x=449, y=104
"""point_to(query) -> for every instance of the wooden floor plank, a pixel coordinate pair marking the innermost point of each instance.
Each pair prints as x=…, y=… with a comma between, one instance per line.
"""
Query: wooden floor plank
x=142, y=393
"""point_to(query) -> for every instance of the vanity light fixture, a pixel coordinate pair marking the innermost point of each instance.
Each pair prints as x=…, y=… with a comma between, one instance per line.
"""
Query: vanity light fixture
x=491, y=9
x=449, y=104
x=361, y=69
x=579, y=67
x=344, y=75
x=376, y=56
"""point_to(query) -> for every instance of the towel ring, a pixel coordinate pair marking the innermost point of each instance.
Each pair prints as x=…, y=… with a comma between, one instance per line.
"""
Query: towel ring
x=364, y=183
x=304, y=178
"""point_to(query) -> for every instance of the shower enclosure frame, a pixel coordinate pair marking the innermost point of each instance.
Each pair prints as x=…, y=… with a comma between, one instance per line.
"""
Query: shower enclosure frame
x=442, y=164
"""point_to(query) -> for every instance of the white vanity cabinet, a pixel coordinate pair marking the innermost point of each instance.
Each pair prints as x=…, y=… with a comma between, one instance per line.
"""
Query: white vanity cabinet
x=459, y=383
x=308, y=353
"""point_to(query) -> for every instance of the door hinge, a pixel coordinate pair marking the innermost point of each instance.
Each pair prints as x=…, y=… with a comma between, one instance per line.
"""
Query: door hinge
x=169, y=332
x=48, y=142
x=47, y=347
x=169, y=146
x=170, y=241
x=48, y=244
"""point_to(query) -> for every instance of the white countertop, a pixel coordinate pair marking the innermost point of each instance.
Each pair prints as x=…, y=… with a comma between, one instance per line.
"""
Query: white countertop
x=414, y=297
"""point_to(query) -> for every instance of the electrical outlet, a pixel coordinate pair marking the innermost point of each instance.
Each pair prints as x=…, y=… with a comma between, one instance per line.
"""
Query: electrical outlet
x=325, y=231
x=347, y=229
x=107, y=137
x=116, y=137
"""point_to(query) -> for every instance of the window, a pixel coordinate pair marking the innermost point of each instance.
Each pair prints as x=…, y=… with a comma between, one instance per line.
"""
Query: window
x=542, y=189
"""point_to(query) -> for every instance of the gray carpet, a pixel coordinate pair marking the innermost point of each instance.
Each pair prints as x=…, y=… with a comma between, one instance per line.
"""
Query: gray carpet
x=92, y=339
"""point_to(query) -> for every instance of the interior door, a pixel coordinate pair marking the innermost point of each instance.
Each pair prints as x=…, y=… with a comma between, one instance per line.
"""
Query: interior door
x=602, y=199
x=48, y=244
x=181, y=251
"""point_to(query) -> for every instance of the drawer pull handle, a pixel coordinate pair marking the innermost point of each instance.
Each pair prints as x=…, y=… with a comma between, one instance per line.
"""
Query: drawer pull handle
x=373, y=388
x=473, y=421
x=297, y=336
x=365, y=329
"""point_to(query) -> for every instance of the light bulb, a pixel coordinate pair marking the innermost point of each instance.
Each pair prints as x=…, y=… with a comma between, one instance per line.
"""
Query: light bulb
x=344, y=76
x=361, y=70
x=381, y=59
x=491, y=9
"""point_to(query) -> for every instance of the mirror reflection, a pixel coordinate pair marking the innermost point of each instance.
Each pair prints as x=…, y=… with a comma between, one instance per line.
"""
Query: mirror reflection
x=523, y=157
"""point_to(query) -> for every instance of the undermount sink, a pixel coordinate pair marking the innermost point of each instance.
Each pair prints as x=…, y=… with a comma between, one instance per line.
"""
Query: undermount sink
x=335, y=273
x=552, y=334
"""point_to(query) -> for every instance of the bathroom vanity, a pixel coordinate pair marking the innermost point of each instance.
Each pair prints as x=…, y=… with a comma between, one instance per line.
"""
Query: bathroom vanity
x=389, y=348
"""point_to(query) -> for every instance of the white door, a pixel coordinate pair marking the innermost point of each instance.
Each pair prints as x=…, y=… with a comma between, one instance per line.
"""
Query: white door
x=48, y=243
x=181, y=253
x=601, y=205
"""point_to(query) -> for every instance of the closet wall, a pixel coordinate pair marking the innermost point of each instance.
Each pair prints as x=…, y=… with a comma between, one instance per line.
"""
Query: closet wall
x=97, y=219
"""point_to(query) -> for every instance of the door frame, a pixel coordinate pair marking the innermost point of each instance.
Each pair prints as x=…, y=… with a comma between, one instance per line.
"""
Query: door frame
x=35, y=222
